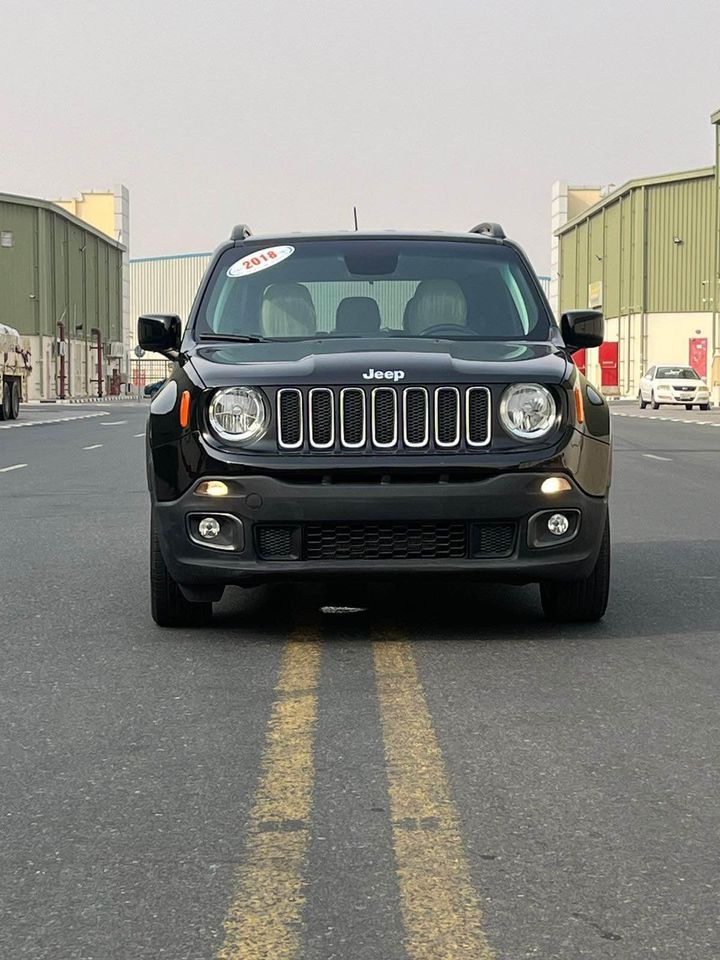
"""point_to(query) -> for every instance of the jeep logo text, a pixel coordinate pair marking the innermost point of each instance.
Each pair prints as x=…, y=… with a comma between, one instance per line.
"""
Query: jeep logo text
x=393, y=375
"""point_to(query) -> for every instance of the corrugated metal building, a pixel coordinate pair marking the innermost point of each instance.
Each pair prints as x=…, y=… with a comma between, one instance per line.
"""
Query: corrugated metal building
x=61, y=278
x=166, y=284
x=648, y=256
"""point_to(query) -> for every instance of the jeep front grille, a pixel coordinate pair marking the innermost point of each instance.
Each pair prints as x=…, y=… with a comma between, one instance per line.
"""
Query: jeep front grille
x=383, y=418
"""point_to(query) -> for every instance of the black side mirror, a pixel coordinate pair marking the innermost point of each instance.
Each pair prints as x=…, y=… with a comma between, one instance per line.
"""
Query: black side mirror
x=160, y=333
x=582, y=329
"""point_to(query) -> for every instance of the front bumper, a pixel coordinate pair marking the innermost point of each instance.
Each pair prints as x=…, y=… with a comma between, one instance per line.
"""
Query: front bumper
x=513, y=498
x=682, y=399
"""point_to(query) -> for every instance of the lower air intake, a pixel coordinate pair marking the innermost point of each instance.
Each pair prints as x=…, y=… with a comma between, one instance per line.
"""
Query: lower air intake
x=385, y=541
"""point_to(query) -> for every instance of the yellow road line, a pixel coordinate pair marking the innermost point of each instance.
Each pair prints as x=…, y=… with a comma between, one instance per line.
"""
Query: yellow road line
x=441, y=911
x=263, y=920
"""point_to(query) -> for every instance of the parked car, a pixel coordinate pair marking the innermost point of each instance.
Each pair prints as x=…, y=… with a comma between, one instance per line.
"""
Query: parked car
x=673, y=384
x=152, y=388
x=370, y=405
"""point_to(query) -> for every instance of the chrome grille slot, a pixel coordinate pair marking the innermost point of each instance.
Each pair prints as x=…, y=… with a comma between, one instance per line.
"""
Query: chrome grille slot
x=353, y=428
x=384, y=417
x=322, y=418
x=410, y=419
x=290, y=419
x=477, y=416
x=416, y=417
x=447, y=416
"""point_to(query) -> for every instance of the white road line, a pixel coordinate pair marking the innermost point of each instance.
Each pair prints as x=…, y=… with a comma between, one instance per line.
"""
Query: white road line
x=138, y=434
x=15, y=466
x=640, y=416
x=47, y=423
x=93, y=446
x=112, y=423
x=651, y=456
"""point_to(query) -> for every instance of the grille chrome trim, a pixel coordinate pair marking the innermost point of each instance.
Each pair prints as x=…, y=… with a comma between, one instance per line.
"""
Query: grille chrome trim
x=376, y=443
x=343, y=442
x=444, y=443
x=326, y=391
x=280, y=394
x=357, y=419
x=488, y=431
x=426, y=435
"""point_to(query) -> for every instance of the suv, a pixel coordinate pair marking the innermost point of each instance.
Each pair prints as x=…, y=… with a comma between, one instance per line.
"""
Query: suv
x=376, y=404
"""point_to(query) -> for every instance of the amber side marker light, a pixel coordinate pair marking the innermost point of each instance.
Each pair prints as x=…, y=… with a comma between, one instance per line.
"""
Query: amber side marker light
x=555, y=485
x=579, y=405
x=185, y=408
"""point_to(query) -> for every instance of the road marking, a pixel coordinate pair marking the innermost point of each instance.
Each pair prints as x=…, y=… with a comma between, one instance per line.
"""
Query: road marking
x=112, y=423
x=93, y=446
x=263, y=919
x=47, y=423
x=441, y=911
x=15, y=466
x=138, y=434
x=652, y=456
x=651, y=416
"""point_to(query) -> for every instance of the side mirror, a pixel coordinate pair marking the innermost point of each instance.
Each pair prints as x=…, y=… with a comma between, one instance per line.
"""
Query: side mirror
x=582, y=329
x=160, y=333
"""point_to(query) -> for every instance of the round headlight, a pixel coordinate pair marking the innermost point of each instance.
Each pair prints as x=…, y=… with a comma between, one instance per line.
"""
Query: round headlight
x=527, y=411
x=238, y=414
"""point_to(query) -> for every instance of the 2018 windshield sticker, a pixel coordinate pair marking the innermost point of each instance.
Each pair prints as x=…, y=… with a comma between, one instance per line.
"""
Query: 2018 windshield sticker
x=260, y=260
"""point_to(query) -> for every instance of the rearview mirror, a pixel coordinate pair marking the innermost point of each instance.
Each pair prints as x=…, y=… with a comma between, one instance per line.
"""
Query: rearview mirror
x=582, y=329
x=160, y=333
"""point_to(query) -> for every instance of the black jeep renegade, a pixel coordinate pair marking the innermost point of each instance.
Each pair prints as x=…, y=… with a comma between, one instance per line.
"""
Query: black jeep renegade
x=376, y=404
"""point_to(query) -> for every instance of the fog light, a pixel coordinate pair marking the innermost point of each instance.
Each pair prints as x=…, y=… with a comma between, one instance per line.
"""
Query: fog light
x=558, y=524
x=212, y=488
x=555, y=485
x=209, y=528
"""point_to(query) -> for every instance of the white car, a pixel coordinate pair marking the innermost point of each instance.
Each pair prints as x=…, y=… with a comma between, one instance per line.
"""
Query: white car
x=673, y=384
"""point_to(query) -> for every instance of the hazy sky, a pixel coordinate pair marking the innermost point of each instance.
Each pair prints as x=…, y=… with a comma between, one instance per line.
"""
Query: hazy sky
x=283, y=113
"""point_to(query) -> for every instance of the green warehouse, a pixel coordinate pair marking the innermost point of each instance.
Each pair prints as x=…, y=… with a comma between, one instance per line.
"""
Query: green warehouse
x=648, y=255
x=61, y=287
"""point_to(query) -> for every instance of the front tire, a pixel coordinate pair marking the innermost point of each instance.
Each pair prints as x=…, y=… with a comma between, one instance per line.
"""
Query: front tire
x=15, y=401
x=641, y=403
x=653, y=402
x=6, y=402
x=580, y=601
x=169, y=606
x=704, y=406
x=688, y=406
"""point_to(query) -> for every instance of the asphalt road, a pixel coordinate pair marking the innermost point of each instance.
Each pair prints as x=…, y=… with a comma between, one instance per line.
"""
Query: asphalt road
x=435, y=777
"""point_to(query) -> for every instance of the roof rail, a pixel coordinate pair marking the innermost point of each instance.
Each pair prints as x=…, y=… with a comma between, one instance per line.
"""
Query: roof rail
x=241, y=231
x=489, y=229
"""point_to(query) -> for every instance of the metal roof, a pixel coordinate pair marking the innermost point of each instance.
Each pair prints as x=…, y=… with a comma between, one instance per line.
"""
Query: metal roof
x=699, y=174
x=54, y=208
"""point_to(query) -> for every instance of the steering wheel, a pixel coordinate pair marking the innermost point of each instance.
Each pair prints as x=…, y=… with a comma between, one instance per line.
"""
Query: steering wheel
x=441, y=328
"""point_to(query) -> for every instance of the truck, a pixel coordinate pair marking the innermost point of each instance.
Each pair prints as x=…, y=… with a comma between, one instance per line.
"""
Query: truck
x=374, y=405
x=15, y=368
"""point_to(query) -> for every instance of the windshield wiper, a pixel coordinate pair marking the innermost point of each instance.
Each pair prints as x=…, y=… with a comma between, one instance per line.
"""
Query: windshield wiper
x=234, y=337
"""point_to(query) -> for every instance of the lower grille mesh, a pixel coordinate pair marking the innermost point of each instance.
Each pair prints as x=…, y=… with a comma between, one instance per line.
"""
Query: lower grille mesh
x=274, y=543
x=385, y=541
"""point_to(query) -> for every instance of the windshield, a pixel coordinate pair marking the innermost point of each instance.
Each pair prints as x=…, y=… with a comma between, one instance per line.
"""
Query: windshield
x=676, y=373
x=372, y=288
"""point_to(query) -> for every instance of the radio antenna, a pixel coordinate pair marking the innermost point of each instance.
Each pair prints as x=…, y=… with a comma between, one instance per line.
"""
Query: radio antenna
x=355, y=218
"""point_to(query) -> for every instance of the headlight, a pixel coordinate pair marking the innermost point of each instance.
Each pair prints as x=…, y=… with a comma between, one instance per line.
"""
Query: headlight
x=527, y=411
x=239, y=414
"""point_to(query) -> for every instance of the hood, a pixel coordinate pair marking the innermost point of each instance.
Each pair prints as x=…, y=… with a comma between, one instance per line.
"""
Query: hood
x=348, y=362
x=677, y=382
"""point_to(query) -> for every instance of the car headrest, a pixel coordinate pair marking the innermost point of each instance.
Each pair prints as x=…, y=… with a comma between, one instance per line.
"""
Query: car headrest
x=287, y=311
x=436, y=303
x=357, y=315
